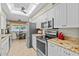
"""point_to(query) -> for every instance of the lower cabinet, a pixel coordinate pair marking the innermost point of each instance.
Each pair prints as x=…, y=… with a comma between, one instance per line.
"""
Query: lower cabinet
x=0, y=50
x=5, y=47
x=55, y=50
x=34, y=41
x=69, y=53
x=52, y=49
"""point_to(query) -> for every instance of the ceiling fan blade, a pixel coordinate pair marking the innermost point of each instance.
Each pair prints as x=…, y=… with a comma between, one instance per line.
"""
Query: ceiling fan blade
x=22, y=8
x=24, y=12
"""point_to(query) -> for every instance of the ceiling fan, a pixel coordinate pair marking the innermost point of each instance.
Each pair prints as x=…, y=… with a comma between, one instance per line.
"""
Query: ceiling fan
x=23, y=10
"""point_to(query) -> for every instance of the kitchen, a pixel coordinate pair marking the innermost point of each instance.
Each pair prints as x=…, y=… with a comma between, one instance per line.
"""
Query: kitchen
x=50, y=30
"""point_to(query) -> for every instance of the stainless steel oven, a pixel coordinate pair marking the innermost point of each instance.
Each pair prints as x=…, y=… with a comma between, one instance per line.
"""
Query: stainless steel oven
x=42, y=47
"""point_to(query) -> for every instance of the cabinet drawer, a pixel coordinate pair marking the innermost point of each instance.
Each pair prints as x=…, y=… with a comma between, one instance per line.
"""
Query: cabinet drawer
x=73, y=54
x=67, y=52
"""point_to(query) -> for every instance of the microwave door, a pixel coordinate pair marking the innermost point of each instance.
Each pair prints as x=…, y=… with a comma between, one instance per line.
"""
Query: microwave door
x=51, y=23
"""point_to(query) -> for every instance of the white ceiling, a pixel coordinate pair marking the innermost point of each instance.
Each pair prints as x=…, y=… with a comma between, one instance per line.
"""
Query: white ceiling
x=17, y=14
x=19, y=5
x=17, y=8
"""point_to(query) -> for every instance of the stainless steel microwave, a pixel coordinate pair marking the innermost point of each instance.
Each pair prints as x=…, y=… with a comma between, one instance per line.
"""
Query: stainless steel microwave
x=51, y=24
x=48, y=24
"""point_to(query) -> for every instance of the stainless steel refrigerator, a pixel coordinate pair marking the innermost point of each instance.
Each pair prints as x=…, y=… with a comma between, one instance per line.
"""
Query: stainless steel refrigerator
x=31, y=29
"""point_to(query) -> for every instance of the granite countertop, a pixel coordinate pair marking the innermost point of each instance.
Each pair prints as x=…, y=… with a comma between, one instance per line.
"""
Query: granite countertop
x=39, y=34
x=68, y=43
x=4, y=36
x=72, y=45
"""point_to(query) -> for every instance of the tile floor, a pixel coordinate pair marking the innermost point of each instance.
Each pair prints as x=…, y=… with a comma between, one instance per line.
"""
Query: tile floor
x=19, y=48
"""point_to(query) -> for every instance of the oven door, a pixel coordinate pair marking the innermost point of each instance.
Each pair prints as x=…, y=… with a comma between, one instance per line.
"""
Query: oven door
x=41, y=48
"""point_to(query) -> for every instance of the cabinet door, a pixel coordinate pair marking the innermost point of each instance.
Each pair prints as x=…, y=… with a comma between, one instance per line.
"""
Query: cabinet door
x=67, y=52
x=34, y=41
x=73, y=53
x=0, y=7
x=59, y=51
x=3, y=22
x=52, y=49
x=7, y=45
x=73, y=15
x=0, y=24
x=0, y=16
x=0, y=50
x=4, y=47
x=60, y=16
x=50, y=14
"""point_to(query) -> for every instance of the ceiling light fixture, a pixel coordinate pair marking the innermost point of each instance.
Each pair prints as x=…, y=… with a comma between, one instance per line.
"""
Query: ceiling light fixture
x=22, y=11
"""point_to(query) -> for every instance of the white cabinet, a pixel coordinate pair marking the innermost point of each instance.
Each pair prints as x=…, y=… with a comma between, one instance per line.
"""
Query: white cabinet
x=73, y=15
x=2, y=19
x=66, y=15
x=34, y=41
x=55, y=50
x=50, y=14
x=3, y=22
x=60, y=16
x=0, y=24
x=50, y=50
x=0, y=7
x=5, y=47
x=0, y=16
x=68, y=52
x=0, y=50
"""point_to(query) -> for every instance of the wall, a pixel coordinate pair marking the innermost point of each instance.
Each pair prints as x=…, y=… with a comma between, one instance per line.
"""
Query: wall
x=12, y=16
x=73, y=32
x=17, y=17
x=38, y=18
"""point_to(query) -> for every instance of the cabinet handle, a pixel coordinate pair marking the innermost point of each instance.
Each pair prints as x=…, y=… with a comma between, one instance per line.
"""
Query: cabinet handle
x=64, y=51
x=63, y=25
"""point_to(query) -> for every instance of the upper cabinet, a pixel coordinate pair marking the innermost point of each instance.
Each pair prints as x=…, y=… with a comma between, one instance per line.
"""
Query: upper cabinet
x=60, y=16
x=3, y=22
x=73, y=15
x=0, y=15
x=2, y=19
x=0, y=7
x=66, y=15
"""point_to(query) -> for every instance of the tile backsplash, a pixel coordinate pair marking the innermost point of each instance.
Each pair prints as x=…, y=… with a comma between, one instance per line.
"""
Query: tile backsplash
x=73, y=32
